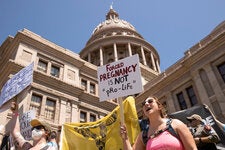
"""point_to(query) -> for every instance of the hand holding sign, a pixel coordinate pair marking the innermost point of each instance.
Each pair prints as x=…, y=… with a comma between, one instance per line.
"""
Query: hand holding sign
x=13, y=107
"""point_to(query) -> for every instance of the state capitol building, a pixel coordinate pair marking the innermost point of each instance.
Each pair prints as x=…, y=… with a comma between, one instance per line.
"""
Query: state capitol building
x=65, y=84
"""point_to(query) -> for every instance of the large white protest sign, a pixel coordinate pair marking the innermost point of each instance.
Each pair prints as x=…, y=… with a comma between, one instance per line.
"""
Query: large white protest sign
x=25, y=126
x=120, y=78
x=16, y=84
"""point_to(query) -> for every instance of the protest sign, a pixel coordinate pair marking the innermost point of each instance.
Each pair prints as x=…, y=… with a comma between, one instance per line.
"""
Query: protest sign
x=25, y=126
x=16, y=84
x=120, y=78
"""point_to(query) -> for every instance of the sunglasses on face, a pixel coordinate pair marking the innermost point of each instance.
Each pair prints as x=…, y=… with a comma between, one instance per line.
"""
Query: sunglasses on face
x=38, y=127
x=191, y=120
x=149, y=101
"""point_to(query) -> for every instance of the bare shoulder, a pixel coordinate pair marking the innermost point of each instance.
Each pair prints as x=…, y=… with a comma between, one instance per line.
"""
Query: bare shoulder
x=176, y=123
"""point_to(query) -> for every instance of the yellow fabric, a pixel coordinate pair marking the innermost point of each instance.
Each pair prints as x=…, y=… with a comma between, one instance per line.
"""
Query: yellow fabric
x=104, y=134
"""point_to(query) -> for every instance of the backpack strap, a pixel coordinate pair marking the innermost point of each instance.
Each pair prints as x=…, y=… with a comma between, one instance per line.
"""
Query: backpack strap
x=171, y=129
x=145, y=135
x=168, y=127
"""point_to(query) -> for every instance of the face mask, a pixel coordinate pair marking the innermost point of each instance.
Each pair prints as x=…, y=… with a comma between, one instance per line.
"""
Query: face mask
x=36, y=134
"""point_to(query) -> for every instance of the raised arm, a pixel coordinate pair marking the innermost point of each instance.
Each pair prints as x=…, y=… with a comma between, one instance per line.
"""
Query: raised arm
x=15, y=126
x=220, y=124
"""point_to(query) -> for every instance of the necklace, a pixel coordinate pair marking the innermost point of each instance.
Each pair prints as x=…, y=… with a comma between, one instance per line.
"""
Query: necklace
x=156, y=133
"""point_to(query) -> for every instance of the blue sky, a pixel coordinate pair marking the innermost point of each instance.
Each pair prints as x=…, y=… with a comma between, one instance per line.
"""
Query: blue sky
x=172, y=27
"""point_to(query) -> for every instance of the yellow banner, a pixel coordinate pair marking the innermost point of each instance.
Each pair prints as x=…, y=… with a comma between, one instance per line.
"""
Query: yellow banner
x=104, y=134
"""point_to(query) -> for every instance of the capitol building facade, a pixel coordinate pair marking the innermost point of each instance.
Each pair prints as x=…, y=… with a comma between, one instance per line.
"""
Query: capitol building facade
x=65, y=84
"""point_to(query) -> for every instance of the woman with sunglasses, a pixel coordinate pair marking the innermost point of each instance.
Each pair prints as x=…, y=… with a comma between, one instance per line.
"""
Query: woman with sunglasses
x=163, y=133
x=40, y=131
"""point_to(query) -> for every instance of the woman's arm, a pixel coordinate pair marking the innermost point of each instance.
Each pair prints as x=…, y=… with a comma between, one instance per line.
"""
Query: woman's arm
x=15, y=126
x=138, y=145
x=220, y=124
x=184, y=134
x=125, y=139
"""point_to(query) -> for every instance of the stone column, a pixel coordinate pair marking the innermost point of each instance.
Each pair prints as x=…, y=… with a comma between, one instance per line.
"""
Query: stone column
x=200, y=89
x=61, y=70
x=101, y=56
x=36, y=62
x=129, y=49
x=43, y=104
x=88, y=86
x=96, y=90
x=49, y=68
x=75, y=113
x=157, y=64
x=88, y=116
x=115, y=52
x=170, y=102
x=143, y=56
x=62, y=111
x=57, y=110
x=216, y=87
x=153, y=61
x=89, y=57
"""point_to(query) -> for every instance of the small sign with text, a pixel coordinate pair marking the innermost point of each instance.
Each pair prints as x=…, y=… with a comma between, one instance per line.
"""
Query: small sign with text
x=120, y=78
x=25, y=126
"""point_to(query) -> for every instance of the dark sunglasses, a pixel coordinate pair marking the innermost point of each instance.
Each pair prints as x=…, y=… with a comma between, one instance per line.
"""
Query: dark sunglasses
x=148, y=100
x=191, y=120
x=38, y=127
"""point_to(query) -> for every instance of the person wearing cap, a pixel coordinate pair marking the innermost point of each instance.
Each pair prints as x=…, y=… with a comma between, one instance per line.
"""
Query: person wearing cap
x=40, y=131
x=204, y=135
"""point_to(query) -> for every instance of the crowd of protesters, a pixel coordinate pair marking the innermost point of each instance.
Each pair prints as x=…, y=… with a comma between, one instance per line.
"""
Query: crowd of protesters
x=157, y=132
x=160, y=132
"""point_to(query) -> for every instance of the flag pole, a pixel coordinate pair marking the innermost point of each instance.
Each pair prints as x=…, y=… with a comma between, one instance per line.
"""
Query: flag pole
x=120, y=99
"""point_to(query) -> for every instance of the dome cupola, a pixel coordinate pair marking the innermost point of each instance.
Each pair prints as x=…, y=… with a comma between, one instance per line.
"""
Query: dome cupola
x=115, y=39
x=112, y=26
